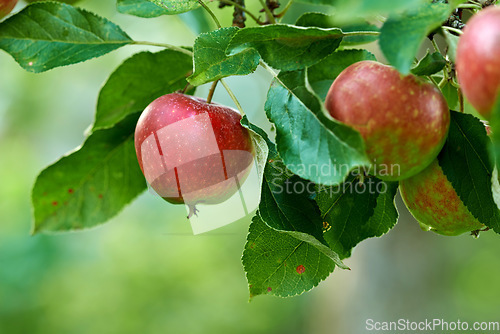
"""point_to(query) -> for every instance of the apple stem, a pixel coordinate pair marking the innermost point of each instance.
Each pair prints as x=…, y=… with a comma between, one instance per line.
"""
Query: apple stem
x=209, y=11
x=212, y=91
x=283, y=12
x=166, y=46
x=233, y=97
x=455, y=30
x=434, y=45
x=461, y=100
x=269, y=14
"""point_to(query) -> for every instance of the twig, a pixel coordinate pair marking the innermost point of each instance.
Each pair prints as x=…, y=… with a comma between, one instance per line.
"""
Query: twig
x=212, y=91
x=249, y=13
x=166, y=46
x=217, y=23
x=269, y=14
x=455, y=30
x=283, y=12
x=233, y=97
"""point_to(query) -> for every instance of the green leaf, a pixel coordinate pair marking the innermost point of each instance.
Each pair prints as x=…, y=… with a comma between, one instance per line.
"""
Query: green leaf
x=210, y=59
x=138, y=81
x=280, y=200
x=140, y=8
x=321, y=20
x=430, y=64
x=287, y=47
x=90, y=185
x=402, y=34
x=174, y=7
x=450, y=93
x=455, y=3
x=313, y=146
x=286, y=205
x=322, y=75
x=466, y=164
x=279, y=264
x=356, y=211
x=365, y=8
x=45, y=35
x=452, y=41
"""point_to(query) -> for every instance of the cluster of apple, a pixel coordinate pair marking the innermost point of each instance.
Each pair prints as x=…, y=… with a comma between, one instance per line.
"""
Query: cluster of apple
x=403, y=120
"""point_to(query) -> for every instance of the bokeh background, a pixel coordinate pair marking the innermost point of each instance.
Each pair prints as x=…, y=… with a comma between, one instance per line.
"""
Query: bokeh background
x=145, y=272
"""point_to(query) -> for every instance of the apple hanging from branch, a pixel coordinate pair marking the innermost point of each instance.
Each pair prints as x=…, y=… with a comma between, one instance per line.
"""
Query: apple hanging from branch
x=6, y=6
x=435, y=204
x=403, y=120
x=478, y=60
x=191, y=151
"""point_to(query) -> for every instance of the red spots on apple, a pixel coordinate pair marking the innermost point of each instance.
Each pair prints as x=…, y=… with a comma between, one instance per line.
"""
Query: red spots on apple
x=403, y=120
x=478, y=60
x=70, y=191
x=434, y=203
x=300, y=269
x=191, y=151
x=55, y=203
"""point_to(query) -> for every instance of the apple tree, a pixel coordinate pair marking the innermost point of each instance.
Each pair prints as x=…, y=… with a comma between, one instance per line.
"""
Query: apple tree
x=348, y=129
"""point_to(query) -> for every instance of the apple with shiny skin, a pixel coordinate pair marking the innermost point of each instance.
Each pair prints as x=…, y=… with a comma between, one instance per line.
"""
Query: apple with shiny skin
x=6, y=6
x=191, y=151
x=478, y=60
x=403, y=120
x=65, y=1
x=435, y=204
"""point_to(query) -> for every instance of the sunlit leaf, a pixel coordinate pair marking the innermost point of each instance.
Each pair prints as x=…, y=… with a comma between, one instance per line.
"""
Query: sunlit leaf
x=90, y=185
x=210, y=59
x=45, y=35
x=138, y=81
x=402, y=34
x=278, y=264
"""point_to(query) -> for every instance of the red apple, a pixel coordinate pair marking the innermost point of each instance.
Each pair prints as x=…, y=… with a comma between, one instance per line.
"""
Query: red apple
x=6, y=6
x=478, y=60
x=434, y=203
x=191, y=151
x=403, y=120
x=65, y=1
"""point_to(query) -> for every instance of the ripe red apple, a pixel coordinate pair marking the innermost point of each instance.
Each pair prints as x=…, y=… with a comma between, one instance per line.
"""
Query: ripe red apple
x=6, y=6
x=191, y=151
x=65, y=1
x=478, y=60
x=403, y=120
x=434, y=203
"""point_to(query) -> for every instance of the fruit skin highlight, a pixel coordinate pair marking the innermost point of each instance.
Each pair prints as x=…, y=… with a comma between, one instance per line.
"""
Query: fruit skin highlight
x=478, y=60
x=6, y=6
x=191, y=151
x=434, y=203
x=403, y=120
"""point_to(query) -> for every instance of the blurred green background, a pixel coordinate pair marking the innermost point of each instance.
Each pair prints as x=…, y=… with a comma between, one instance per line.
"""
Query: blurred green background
x=145, y=272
